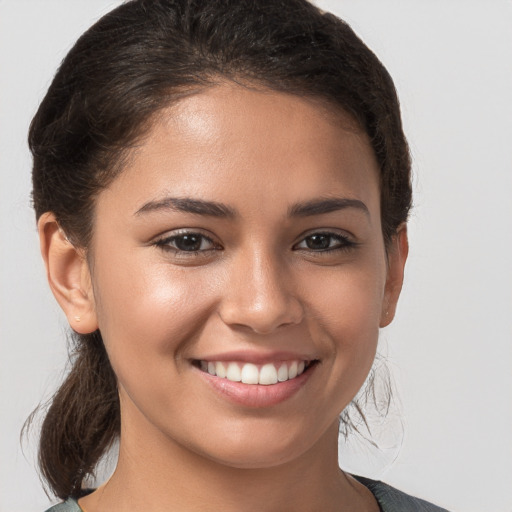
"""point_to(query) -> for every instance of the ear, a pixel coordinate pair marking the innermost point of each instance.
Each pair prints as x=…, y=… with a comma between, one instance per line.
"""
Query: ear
x=68, y=275
x=397, y=256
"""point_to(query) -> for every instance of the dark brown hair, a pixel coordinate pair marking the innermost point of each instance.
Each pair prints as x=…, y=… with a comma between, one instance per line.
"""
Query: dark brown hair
x=138, y=59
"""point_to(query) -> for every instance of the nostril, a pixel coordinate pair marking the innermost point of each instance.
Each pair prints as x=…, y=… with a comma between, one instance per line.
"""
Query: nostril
x=263, y=317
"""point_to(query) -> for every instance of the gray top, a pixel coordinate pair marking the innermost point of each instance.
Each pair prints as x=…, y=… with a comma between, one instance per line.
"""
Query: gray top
x=388, y=498
x=393, y=500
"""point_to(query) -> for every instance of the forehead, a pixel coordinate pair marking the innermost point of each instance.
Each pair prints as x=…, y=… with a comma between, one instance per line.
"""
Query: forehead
x=231, y=143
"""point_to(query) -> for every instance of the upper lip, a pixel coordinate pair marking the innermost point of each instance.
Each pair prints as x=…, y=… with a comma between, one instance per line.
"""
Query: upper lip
x=257, y=357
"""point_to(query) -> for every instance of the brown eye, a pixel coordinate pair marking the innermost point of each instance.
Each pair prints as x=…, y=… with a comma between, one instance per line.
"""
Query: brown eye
x=318, y=242
x=325, y=242
x=187, y=242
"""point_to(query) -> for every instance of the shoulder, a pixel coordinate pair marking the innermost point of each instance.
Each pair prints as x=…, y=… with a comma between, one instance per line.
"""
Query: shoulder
x=67, y=506
x=393, y=500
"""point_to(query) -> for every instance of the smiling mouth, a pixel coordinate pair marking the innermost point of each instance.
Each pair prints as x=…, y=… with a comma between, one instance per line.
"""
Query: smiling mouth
x=249, y=373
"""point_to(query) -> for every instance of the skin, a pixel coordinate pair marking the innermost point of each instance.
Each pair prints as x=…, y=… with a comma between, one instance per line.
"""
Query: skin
x=256, y=287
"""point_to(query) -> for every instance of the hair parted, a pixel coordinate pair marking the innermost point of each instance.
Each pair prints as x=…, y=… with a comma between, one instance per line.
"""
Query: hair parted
x=138, y=59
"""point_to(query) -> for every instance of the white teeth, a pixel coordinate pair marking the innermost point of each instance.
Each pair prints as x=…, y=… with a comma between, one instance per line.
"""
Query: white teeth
x=282, y=373
x=268, y=375
x=250, y=373
x=220, y=370
x=233, y=372
x=292, y=371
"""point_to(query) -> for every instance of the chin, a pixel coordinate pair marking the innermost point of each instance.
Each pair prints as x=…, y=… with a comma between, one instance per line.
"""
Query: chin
x=256, y=457
x=259, y=448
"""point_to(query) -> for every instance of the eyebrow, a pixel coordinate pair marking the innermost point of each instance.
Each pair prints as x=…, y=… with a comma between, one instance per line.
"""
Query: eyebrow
x=327, y=205
x=188, y=205
x=220, y=210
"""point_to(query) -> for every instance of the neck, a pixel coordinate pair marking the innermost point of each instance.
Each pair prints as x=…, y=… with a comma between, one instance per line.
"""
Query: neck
x=158, y=474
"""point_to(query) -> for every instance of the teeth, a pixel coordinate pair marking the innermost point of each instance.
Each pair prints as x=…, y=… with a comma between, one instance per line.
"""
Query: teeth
x=233, y=373
x=292, y=371
x=268, y=375
x=249, y=373
x=282, y=373
x=220, y=370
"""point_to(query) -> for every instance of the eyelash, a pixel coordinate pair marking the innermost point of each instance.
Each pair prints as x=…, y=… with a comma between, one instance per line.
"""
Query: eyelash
x=344, y=243
x=165, y=244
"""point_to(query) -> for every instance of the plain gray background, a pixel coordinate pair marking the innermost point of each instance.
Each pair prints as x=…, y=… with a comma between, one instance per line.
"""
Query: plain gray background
x=450, y=347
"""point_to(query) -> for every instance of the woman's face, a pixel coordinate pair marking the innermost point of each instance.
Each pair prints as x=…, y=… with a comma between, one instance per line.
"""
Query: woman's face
x=243, y=239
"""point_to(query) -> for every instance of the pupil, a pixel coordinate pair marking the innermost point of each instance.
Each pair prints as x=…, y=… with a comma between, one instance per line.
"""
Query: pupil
x=318, y=241
x=188, y=243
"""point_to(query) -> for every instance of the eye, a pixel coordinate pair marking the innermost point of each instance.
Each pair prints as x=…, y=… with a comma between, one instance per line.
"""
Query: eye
x=325, y=242
x=187, y=243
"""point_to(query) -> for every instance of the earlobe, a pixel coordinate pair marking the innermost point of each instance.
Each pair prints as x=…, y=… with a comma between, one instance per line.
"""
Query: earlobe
x=397, y=256
x=68, y=275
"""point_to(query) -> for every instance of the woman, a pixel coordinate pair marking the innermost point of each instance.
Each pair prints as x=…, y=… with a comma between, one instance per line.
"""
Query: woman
x=222, y=190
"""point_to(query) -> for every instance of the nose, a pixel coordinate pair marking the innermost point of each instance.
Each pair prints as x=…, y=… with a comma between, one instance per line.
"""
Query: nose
x=260, y=295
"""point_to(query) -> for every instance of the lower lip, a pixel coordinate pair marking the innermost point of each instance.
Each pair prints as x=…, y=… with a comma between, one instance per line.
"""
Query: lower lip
x=257, y=395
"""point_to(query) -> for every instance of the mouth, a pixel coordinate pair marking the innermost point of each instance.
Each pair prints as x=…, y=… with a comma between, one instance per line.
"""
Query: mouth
x=255, y=374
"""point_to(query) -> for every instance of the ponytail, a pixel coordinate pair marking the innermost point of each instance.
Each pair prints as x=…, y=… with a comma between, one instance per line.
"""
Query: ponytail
x=82, y=420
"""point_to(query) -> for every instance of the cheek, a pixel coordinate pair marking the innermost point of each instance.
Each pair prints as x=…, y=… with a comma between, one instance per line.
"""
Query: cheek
x=347, y=312
x=348, y=301
x=146, y=311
